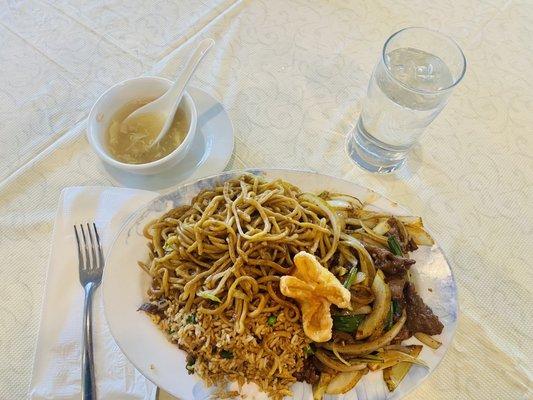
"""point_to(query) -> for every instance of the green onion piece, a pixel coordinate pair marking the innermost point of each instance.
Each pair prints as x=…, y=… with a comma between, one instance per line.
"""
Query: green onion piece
x=191, y=319
x=396, y=307
x=272, y=320
x=394, y=246
x=351, y=278
x=390, y=317
x=190, y=367
x=309, y=350
x=347, y=323
x=168, y=246
x=370, y=357
x=226, y=354
x=209, y=296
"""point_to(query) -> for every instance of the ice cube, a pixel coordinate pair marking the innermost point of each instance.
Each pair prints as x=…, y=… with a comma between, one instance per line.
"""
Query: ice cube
x=425, y=72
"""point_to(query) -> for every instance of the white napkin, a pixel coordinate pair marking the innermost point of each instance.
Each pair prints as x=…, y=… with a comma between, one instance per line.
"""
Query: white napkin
x=57, y=365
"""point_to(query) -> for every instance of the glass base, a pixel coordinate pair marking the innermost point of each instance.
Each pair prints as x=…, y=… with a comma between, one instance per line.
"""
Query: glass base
x=371, y=154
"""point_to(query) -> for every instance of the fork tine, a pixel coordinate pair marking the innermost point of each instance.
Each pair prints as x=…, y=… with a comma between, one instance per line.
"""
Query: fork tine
x=88, y=264
x=81, y=261
x=100, y=252
x=93, y=248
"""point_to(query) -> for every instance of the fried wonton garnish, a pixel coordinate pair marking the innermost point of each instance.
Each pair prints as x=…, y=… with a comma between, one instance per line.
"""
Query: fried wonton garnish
x=315, y=289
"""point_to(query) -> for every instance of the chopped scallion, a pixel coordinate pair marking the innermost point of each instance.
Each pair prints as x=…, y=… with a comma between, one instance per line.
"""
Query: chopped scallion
x=347, y=323
x=209, y=296
x=226, y=354
x=394, y=246
x=352, y=275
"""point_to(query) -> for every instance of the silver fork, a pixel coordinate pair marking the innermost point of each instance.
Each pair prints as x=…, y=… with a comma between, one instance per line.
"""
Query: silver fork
x=91, y=265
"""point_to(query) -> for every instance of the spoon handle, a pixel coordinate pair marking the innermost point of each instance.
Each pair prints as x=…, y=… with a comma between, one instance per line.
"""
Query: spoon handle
x=175, y=93
x=177, y=89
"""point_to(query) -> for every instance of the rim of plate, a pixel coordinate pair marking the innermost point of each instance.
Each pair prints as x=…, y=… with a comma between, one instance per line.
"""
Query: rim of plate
x=262, y=171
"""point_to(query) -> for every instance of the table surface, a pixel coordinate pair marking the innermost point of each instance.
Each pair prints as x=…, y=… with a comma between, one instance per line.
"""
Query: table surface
x=292, y=75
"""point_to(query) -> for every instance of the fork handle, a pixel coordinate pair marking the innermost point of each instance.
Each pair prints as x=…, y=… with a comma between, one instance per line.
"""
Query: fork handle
x=87, y=362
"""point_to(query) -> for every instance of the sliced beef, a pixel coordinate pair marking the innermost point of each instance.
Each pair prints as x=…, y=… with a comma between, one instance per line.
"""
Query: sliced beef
x=149, y=308
x=388, y=262
x=342, y=337
x=191, y=359
x=361, y=294
x=394, y=229
x=404, y=334
x=155, y=308
x=407, y=245
x=396, y=284
x=309, y=372
x=410, y=246
x=420, y=317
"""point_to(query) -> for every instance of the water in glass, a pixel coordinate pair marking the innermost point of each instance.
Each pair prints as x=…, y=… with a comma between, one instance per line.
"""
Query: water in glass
x=406, y=92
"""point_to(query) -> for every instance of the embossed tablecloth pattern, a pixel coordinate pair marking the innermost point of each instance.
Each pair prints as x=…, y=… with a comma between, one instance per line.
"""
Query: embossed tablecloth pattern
x=292, y=75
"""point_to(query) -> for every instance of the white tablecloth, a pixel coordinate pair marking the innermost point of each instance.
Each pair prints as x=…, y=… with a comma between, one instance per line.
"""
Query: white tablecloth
x=291, y=74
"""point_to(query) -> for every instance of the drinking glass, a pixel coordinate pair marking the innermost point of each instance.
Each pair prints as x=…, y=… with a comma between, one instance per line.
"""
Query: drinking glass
x=409, y=87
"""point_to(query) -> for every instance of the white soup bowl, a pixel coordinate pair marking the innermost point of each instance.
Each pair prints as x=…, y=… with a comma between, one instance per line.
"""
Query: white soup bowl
x=119, y=95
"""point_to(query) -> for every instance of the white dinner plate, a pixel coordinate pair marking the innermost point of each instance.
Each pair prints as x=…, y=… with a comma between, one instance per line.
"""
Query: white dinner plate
x=209, y=154
x=125, y=286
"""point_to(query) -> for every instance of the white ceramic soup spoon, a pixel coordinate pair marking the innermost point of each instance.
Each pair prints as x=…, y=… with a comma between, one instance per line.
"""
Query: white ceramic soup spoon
x=167, y=104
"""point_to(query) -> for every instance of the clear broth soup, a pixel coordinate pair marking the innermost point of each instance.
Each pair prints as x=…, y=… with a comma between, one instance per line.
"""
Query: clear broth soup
x=131, y=143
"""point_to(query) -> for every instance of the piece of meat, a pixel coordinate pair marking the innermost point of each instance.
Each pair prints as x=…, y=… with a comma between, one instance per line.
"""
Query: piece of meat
x=396, y=284
x=157, y=308
x=404, y=334
x=342, y=337
x=361, y=294
x=407, y=245
x=410, y=246
x=309, y=373
x=388, y=262
x=191, y=359
x=394, y=229
x=420, y=317
x=149, y=308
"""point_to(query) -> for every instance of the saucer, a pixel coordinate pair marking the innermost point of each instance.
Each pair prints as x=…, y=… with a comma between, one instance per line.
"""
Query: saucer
x=209, y=152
